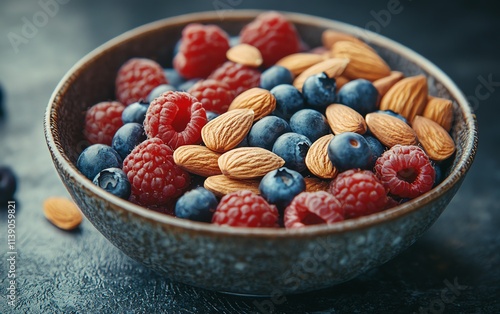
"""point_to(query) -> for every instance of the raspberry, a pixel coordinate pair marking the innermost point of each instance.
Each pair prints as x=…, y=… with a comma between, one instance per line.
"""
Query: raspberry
x=214, y=95
x=153, y=174
x=237, y=76
x=245, y=209
x=102, y=121
x=203, y=48
x=176, y=118
x=137, y=78
x=359, y=192
x=313, y=208
x=405, y=171
x=273, y=35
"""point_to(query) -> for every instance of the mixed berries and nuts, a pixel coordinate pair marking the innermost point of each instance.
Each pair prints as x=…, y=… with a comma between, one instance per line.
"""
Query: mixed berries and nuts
x=260, y=130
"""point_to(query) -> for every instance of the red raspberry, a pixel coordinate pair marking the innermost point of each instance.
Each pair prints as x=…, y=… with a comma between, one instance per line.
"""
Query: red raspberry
x=237, y=76
x=214, y=95
x=137, y=78
x=313, y=208
x=245, y=209
x=359, y=192
x=405, y=171
x=203, y=48
x=273, y=35
x=102, y=121
x=176, y=118
x=153, y=174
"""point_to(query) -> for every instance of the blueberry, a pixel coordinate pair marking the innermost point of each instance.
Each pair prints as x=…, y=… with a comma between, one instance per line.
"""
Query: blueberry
x=292, y=147
x=360, y=95
x=158, y=90
x=394, y=114
x=265, y=132
x=280, y=186
x=349, y=150
x=173, y=77
x=211, y=115
x=439, y=173
x=375, y=146
x=8, y=184
x=177, y=47
x=243, y=143
x=289, y=100
x=96, y=158
x=187, y=84
x=198, y=204
x=234, y=41
x=310, y=123
x=135, y=112
x=114, y=181
x=275, y=76
x=127, y=138
x=319, y=91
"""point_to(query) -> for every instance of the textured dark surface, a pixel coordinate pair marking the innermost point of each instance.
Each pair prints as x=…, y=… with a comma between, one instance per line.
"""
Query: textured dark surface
x=81, y=271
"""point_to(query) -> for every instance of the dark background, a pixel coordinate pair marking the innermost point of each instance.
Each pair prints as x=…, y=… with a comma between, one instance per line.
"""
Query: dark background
x=81, y=271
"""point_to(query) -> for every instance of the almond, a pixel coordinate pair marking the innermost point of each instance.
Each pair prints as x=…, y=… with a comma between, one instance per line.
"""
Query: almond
x=385, y=83
x=245, y=54
x=62, y=212
x=390, y=130
x=330, y=37
x=227, y=130
x=342, y=119
x=439, y=110
x=314, y=184
x=221, y=185
x=197, y=159
x=341, y=81
x=249, y=162
x=261, y=101
x=364, y=62
x=407, y=97
x=333, y=67
x=299, y=62
x=317, y=160
x=435, y=140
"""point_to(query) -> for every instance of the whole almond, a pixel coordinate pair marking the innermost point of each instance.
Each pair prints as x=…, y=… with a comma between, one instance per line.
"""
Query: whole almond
x=407, y=97
x=221, y=185
x=227, y=130
x=435, y=140
x=341, y=81
x=364, y=62
x=299, y=62
x=333, y=67
x=62, y=212
x=197, y=159
x=330, y=37
x=314, y=184
x=245, y=54
x=249, y=162
x=390, y=130
x=385, y=83
x=317, y=160
x=439, y=110
x=261, y=101
x=342, y=119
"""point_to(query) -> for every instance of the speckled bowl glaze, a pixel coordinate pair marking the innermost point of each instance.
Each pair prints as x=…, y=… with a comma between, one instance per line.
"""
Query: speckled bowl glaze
x=244, y=260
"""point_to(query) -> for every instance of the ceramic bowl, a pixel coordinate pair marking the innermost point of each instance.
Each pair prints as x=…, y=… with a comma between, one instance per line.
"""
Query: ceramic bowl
x=244, y=260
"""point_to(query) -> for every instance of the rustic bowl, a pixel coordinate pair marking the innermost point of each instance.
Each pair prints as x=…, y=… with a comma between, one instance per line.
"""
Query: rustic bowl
x=244, y=260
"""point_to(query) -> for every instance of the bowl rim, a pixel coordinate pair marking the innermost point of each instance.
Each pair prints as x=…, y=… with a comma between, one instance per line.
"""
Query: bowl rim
x=350, y=225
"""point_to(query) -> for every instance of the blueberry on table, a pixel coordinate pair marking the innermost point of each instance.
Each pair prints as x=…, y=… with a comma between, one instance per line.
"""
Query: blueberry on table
x=319, y=91
x=292, y=147
x=198, y=204
x=96, y=158
x=360, y=95
x=127, y=138
x=280, y=186
x=274, y=76
x=135, y=112
x=265, y=132
x=8, y=184
x=158, y=90
x=289, y=100
x=350, y=150
x=114, y=181
x=310, y=123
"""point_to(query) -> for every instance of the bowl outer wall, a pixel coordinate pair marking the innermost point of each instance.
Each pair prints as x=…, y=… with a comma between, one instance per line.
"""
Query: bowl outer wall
x=243, y=260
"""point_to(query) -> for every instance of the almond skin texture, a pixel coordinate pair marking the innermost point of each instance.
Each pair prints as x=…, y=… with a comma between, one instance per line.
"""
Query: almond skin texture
x=299, y=62
x=435, y=140
x=333, y=67
x=384, y=84
x=390, y=130
x=221, y=185
x=439, y=110
x=62, y=212
x=342, y=119
x=364, y=62
x=197, y=159
x=341, y=81
x=249, y=162
x=330, y=37
x=407, y=97
x=245, y=54
x=314, y=184
x=317, y=160
x=227, y=130
x=261, y=101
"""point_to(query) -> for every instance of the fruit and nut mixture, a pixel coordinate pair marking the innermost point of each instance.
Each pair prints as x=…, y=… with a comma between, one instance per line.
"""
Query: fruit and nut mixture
x=260, y=130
